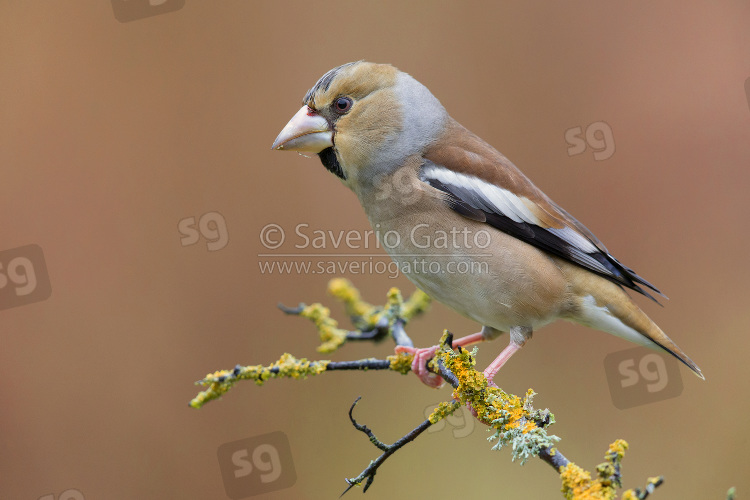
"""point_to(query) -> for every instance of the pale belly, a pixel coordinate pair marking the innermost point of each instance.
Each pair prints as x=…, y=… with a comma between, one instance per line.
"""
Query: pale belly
x=494, y=279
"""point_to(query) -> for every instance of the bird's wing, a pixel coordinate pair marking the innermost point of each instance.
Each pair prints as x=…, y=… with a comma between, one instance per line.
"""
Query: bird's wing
x=481, y=184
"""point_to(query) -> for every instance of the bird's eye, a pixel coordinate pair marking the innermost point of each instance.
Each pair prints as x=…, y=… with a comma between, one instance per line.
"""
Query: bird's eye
x=342, y=104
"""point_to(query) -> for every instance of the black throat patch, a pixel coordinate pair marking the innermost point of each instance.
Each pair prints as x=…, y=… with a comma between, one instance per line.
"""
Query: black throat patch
x=328, y=158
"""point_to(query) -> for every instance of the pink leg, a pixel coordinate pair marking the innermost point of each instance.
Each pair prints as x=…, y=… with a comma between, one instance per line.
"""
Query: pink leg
x=518, y=337
x=423, y=355
x=491, y=371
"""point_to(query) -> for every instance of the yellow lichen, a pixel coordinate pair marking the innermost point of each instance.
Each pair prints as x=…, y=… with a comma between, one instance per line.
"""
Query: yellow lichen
x=656, y=481
x=344, y=291
x=577, y=483
x=331, y=336
x=406, y=310
x=400, y=362
x=394, y=297
x=221, y=381
x=618, y=448
x=289, y=366
x=415, y=305
x=443, y=410
x=488, y=402
x=367, y=317
x=516, y=423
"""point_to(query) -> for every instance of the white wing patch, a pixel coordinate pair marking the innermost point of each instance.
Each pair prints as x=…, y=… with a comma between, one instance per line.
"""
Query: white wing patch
x=489, y=197
x=574, y=238
x=516, y=215
x=494, y=199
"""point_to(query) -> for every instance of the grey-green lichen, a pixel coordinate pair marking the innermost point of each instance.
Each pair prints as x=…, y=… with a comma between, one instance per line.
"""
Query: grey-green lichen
x=514, y=421
x=527, y=439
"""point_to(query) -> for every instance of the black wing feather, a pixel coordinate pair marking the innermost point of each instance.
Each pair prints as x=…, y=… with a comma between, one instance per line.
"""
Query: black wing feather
x=470, y=204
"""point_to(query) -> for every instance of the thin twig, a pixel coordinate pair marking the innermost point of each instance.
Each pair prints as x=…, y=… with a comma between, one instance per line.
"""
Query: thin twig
x=362, y=364
x=399, y=334
x=388, y=450
x=650, y=487
x=292, y=311
x=374, y=440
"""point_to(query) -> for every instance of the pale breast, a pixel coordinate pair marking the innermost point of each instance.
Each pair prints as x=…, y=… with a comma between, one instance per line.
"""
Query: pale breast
x=479, y=271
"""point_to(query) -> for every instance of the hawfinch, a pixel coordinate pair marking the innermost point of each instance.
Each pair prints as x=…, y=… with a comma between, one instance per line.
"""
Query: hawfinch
x=460, y=220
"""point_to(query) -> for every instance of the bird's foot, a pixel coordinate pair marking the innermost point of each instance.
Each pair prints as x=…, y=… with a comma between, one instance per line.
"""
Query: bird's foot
x=419, y=364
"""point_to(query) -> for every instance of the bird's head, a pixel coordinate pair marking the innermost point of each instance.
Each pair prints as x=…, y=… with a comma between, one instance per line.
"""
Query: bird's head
x=364, y=120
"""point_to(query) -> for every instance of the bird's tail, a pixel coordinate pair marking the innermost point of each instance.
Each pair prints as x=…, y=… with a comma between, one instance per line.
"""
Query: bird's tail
x=605, y=306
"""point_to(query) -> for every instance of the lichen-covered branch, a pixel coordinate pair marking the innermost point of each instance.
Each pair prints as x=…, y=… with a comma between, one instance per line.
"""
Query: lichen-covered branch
x=518, y=425
x=288, y=366
x=515, y=422
x=221, y=381
x=578, y=484
x=512, y=419
x=373, y=323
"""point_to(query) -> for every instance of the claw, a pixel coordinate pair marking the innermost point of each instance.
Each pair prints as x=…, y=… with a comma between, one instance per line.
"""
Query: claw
x=419, y=364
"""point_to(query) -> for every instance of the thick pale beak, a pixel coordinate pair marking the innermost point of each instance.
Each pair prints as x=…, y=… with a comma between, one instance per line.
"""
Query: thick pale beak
x=306, y=131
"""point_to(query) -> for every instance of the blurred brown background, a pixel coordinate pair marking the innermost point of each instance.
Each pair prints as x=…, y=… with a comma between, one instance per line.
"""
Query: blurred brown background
x=111, y=133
